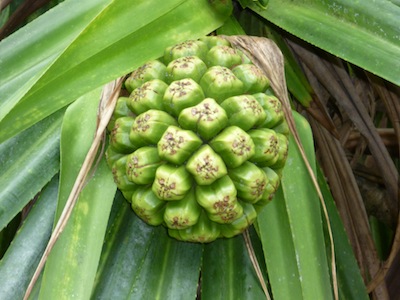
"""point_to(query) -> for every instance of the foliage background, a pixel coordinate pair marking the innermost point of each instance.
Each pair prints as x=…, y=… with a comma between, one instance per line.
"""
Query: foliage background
x=342, y=70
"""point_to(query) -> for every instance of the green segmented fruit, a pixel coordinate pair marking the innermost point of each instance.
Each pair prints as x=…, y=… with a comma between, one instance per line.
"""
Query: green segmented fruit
x=240, y=224
x=267, y=146
x=252, y=77
x=171, y=182
x=206, y=166
x=147, y=96
x=234, y=145
x=141, y=165
x=183, y=213
x=122, y=109
x=238, y=109
x=189, y=48
x=147, y=205
x=151, y=70
x=199, y=144
x=222, y=55
x=119, y=136
x=186, y=67
x=181, y=94
x=273, y=109
x=207, y=118
x=177, y=145
x=120, y=176
x=220, y=83
x=250, y=181
x=219, y=200
x=149, y=126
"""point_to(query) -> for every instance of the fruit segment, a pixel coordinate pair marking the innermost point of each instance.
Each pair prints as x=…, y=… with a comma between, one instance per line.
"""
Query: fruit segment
x=120, y=177
x=220, y=83
x=142, y=164
x=177, y=145
x=239, y=225
x=250, y=182
x=224, y=56
x=119, y=136
x=149, y=127
x=186, y=67
x=239, y=108
x=204, y=231
x=148, y=96
x=273, y=109
x=148, y=206
x=283, y=151
x=181, y=94
x=188, y=48
x=252, y=77
x=207, y=118
x=234, y=145
x=206, y=166
x=219, y=200
x=152, y=70
x=182, y=213
x=171, y=182
x=266, y=147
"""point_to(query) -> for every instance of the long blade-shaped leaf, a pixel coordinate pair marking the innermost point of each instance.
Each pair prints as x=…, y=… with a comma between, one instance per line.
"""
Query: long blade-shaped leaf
x=294, y=245
x=279, y=250
x=27, y=53
x=79, y=246
x=22, y=257
x=118, y=39
x=350, y=282
x=228, y=273
x=141, y=262
x=366, y=33
x=28, y=161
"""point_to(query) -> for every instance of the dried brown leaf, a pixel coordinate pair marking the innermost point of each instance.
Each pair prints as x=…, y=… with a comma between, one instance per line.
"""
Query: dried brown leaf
x=337, y=82
x=349, y=202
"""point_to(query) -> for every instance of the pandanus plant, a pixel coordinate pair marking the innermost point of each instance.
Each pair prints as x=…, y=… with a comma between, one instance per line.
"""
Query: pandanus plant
x=200, y=137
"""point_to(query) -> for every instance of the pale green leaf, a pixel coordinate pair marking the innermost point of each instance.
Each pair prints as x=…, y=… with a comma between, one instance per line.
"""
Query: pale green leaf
x=280, y=257
x=79, y=246
x=291, y=230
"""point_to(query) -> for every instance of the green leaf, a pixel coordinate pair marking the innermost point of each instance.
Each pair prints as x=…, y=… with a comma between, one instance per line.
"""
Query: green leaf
x=141, y=262
x=118, y=37
x=22, y=257
x=4, y=15
x=291, y=230
x=28, y=161
x=227, y=271
x=79, y=246
x=280, y=256
x=29, y=52
x=350, y=282
x=365, y=33
x=231, y=27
